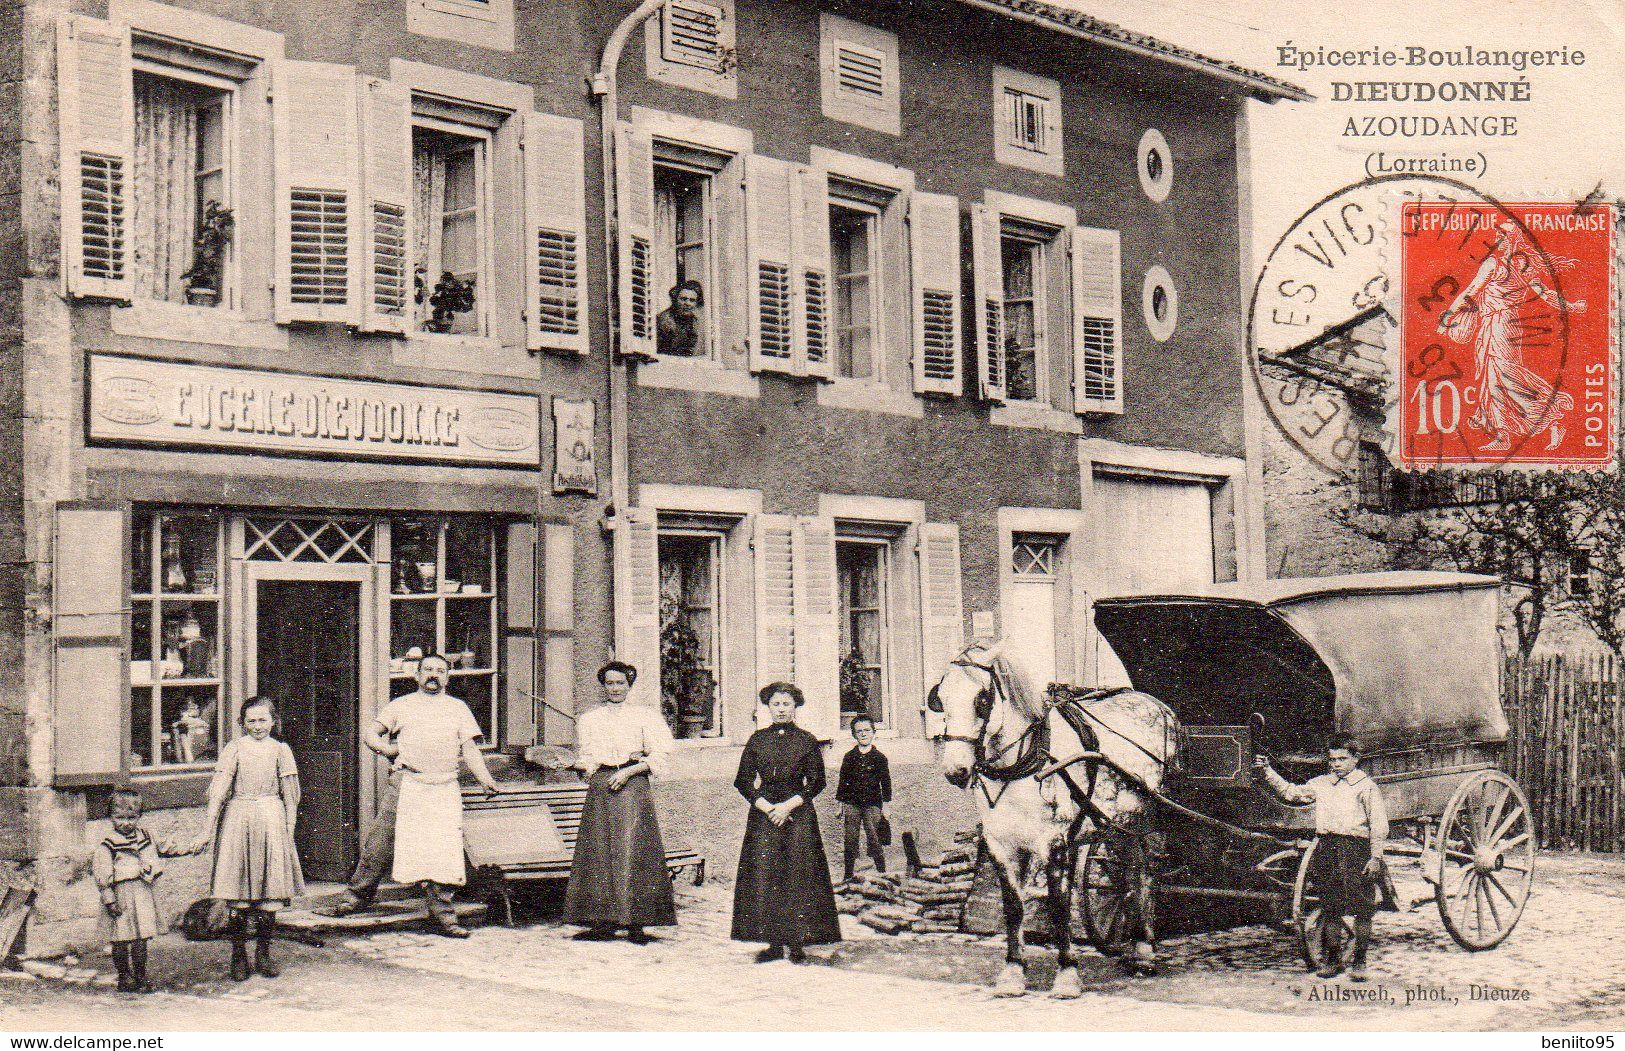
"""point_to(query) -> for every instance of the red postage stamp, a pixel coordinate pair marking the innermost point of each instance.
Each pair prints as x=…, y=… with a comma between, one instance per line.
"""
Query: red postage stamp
x=1506, y=336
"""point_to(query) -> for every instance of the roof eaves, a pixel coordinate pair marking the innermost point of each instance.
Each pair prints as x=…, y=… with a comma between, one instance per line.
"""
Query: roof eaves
x=1076, y=23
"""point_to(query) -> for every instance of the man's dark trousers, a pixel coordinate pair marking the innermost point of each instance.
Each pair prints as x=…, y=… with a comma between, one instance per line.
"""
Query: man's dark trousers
x=378, y=845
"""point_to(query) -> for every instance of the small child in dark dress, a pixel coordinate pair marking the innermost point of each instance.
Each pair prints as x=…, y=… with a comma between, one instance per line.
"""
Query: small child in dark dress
x=125, y=865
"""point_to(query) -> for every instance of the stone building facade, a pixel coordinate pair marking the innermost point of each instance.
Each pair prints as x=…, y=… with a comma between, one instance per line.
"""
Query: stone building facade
x=334, y=341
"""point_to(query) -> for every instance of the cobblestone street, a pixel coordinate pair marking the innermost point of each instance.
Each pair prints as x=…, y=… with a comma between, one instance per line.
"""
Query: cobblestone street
x=1565, y=953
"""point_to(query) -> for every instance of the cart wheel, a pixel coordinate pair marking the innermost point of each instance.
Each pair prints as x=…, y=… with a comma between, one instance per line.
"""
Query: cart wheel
x=1103, y=897
x=1306, y=918
x=1280, y=873
x=1486, y=860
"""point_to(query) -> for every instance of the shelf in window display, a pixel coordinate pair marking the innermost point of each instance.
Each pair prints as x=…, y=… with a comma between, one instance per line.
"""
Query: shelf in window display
x=176, y=596
x=456, y=673
x=420, y=596
x=211, y=680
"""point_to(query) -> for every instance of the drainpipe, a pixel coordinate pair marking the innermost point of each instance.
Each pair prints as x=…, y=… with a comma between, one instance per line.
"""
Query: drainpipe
x=603, y=86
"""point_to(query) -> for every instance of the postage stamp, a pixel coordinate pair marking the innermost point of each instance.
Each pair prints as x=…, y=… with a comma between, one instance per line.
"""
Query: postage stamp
x=1505, y=349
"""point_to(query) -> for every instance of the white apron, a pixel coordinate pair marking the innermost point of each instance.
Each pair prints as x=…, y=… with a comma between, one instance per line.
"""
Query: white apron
x=429, y=830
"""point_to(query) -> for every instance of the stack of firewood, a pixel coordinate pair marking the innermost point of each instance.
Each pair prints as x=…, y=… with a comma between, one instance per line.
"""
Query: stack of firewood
x=929, y=899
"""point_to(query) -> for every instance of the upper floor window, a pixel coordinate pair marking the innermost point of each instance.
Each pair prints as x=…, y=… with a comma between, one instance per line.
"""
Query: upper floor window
x=451, y=239
x=1027, y=117
x=484, y=23
x=181, y=212
x=859, y=73
x=854, y=257
x=691, y=45
x=683, y=244
x=1025, y=349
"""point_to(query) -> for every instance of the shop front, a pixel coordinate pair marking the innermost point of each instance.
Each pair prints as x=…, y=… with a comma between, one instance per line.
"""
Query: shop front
x=293, y=574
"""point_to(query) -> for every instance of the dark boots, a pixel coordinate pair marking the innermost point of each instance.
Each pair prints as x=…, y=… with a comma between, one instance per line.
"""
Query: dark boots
x=1362, y=944
x=263, y=933
x=121, y=963
x=138, y=967
x=238, y=932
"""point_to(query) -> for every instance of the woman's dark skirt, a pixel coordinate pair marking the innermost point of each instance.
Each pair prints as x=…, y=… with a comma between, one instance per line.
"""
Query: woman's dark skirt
x=619, y=875
x=782, y=894
x=1338, y=870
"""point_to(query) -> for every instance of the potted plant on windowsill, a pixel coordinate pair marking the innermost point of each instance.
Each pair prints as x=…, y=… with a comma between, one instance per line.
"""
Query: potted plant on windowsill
x=450, y=297
x=210, y=238
x=854, y=685
x=685, y=685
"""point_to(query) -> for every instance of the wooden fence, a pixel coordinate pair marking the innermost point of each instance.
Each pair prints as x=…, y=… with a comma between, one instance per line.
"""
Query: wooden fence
x=1564, y=747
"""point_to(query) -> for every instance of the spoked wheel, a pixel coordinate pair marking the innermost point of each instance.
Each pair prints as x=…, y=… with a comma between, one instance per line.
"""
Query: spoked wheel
x=1307, y=918
x=1103, y=897
x=1279, y=873
x=1485, y=860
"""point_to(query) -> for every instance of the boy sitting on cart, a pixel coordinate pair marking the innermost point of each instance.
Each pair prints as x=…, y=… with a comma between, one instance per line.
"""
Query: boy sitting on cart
x=1351, y=828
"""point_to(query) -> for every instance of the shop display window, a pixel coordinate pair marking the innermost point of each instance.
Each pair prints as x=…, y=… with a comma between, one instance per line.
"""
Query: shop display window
x=442, y=573
x=176, y=704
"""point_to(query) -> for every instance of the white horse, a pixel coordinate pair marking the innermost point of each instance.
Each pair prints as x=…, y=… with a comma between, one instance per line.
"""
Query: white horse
x=1045, y=776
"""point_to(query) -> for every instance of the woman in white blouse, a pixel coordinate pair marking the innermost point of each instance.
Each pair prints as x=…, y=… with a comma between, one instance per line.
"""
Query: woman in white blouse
x=618, y=878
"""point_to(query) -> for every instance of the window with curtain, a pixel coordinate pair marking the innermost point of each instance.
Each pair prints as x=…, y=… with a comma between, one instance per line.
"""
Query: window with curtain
x=180, y=170
x=861, y=579
x=451, y=242
x=690, y=633
x=1023, y=262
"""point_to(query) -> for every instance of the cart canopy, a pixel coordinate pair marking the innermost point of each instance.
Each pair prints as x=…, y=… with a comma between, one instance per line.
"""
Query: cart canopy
x=1399, y=660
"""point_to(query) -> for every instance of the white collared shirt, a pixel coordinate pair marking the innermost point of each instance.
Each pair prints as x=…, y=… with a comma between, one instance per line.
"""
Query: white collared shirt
x=612, y=734
x=1344, y=806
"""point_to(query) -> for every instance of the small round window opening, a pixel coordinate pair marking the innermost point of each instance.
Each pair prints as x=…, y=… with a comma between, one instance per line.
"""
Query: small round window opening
x=1156, y=164
x=1160, y=301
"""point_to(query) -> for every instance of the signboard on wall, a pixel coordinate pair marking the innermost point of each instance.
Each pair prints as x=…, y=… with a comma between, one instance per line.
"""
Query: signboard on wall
x=141, y=401
x=574, y=469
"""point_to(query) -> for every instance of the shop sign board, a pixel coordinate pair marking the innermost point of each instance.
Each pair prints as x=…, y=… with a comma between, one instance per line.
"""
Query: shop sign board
x=143, y=401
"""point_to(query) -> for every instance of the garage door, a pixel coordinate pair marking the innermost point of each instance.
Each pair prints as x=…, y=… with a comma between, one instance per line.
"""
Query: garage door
x=1153, y=535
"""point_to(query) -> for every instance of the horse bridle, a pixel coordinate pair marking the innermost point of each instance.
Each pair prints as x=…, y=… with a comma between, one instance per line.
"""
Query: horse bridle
x=1032, y=747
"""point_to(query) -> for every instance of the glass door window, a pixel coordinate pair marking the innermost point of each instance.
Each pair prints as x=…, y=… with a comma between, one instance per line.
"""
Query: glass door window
x=865, y=641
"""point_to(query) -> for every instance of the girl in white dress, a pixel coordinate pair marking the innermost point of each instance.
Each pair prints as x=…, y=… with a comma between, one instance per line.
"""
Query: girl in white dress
x=253, y=806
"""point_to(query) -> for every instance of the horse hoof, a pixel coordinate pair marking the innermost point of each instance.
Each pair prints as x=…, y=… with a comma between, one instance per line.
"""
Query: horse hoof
x=1012, y=981
x=1068, y=984
x=1144, y=961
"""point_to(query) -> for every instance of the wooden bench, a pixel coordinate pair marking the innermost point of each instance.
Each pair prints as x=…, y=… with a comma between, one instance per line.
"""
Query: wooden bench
x=530, y=834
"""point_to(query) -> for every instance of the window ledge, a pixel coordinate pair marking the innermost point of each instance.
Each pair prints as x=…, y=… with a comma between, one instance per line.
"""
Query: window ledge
x=484, y=355
x=1035, y=417
x=1016, y=157
x=863, y=396
x=698, y=374
x=163, y=789
x=156, y=319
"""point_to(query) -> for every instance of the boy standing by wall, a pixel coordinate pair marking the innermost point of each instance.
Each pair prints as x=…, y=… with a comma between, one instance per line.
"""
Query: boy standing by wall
x=864, y=790
x=1351, y=828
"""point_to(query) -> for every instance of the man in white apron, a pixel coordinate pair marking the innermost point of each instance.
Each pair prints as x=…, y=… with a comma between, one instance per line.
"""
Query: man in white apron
x=432, y=730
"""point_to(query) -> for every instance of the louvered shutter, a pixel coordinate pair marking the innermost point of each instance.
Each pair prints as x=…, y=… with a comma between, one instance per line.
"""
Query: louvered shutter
x=520, y=632
x=96, y=101
x=942, y=621
x=692, y=33
x=989, y=281
x=818, y=658
x=90, y=632
x=774, y=544
x=387, y=221
x=1097, y=320
x=635, y=213
x=770, y=192
x=933, y=232
x=637, y=629
x=316, y=176
x=556, y=234
x=813, y=268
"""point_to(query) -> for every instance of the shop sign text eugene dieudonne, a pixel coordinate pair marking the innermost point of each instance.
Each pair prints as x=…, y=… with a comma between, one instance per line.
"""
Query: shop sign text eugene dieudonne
x=142, y=401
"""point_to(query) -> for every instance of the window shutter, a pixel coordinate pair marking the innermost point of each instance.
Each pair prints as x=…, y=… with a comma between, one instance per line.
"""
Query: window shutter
x=933, y=232
x=989, y=280
x=942, y=622
x=91, y=632
x=556, y=234
x=774, y=544
x=635, y=212
x=96, y=102
x=813, y=266
x=316, y=216
x=769, y=214
x=558, y=664
x=637, y=630
x=386, y=222
x=519, y=621
x=1097, y=320
x=818, y=664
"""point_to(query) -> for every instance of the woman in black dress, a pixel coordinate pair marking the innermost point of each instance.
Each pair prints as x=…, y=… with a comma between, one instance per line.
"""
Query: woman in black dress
x=782, y=894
